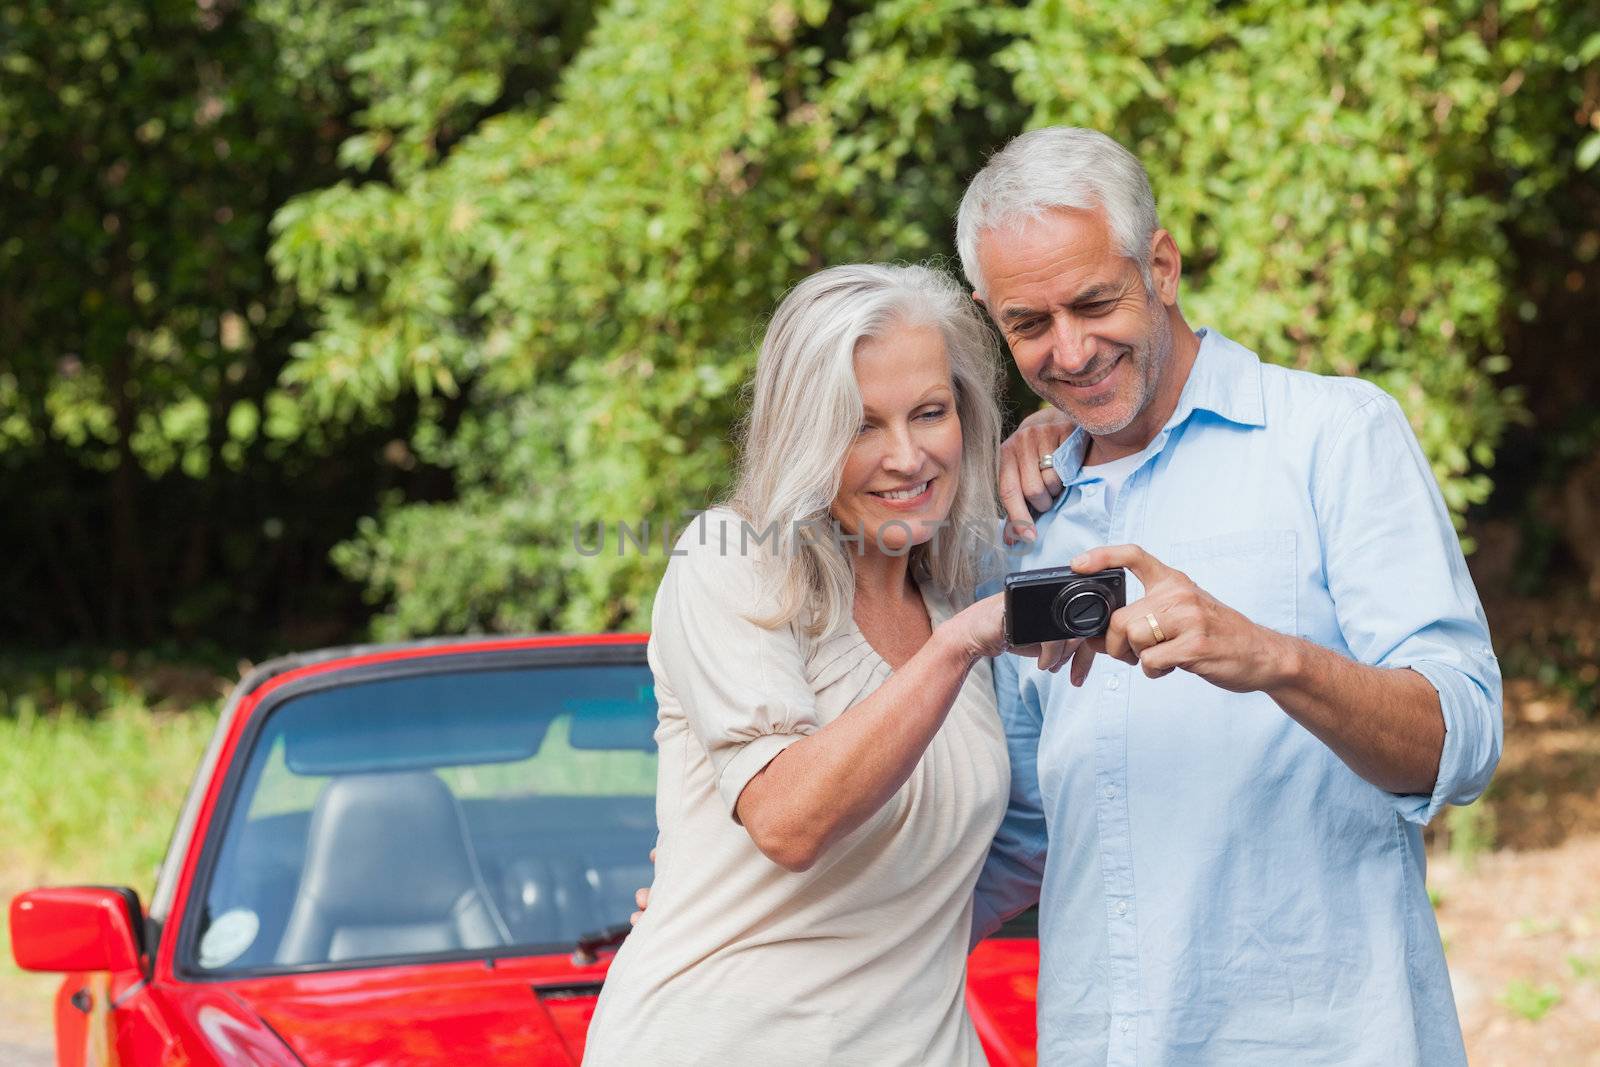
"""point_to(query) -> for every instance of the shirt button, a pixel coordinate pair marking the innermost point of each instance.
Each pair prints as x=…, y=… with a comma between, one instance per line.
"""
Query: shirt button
x=1111, y=791
x=1122, y=907
x=1125, y=1025
x=1113, y=682
x=1089, y=490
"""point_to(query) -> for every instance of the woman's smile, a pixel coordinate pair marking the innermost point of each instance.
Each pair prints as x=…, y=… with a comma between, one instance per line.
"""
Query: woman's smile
x=909, y=498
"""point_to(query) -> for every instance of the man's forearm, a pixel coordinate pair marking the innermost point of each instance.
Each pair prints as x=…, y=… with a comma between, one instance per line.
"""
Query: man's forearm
x=1384, y=723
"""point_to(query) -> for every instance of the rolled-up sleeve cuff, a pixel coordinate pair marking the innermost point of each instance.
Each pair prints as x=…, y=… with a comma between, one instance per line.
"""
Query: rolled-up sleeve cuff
x=1471, y=748
x=747, y=763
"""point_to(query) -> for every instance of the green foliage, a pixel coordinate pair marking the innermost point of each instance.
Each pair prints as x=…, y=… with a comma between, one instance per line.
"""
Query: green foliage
x=142, y=148
x=1529, y=1001
x=425, y=72
x=135, y=729
x=588, y=268
x=139, y=761
x=1470, y=831
x=591, y=268
x=539, y=240
x=96, y=754
x=158, y=481
x=1555, y=642
x=1333, y=203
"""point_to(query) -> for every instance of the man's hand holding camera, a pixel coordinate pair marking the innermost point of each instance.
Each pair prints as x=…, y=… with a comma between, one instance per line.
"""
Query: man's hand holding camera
x=1177, y=625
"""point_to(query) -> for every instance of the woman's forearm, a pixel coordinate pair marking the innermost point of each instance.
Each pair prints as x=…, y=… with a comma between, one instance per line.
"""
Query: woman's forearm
x=828, y=783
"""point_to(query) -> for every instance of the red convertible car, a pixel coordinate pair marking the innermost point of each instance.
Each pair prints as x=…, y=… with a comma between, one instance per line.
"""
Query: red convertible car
x=418, y=854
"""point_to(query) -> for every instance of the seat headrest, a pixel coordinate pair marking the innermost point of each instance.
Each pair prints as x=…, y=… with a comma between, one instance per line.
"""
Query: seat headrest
x=387, y=848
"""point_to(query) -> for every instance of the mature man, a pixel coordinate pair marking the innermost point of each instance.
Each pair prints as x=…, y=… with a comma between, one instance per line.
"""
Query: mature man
x=1219, y=807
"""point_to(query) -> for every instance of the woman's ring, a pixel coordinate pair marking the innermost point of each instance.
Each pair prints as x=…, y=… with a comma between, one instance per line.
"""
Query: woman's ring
x=1155, y=629
x=1047, y=462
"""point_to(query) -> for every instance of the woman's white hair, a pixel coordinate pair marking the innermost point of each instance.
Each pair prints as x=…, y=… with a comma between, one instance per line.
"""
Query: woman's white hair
x=805, y=412
x=1059, y=166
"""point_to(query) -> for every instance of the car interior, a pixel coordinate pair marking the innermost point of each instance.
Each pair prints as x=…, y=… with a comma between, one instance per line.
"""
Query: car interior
x=405, y=851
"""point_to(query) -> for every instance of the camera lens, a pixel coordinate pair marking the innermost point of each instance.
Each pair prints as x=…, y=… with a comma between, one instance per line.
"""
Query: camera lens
x=1082, y=610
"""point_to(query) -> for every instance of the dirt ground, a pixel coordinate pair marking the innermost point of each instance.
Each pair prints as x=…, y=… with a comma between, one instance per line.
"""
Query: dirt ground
x=1530, y=918
x=1521, y=923
x=25, y=1034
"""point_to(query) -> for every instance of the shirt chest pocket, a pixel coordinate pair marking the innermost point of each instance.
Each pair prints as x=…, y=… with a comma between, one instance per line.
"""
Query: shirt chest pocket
x=1253, y=572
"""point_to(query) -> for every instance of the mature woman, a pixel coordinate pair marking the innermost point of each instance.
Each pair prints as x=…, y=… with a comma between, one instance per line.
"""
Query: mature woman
x=832, y=765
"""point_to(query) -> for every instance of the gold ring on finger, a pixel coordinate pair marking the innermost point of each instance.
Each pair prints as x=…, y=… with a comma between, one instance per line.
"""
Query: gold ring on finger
x=1155, y=629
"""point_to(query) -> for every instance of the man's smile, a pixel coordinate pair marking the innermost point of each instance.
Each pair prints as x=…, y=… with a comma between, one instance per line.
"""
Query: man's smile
x=1095, y=377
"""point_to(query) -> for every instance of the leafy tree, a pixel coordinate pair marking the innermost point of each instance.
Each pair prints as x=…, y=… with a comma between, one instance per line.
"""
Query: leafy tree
x=155, y=478
x=587, y=269
x=1342, y=175
x=537, y=242
x=592, y=272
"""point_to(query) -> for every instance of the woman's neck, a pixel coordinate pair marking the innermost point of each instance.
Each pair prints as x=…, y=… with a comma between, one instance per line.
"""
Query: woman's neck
x=883, y=578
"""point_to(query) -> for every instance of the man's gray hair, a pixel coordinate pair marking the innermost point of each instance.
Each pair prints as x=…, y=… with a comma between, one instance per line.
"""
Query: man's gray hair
x=1059, y=166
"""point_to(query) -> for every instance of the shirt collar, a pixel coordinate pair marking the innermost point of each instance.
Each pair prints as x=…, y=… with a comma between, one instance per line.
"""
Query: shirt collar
x=1224, y=380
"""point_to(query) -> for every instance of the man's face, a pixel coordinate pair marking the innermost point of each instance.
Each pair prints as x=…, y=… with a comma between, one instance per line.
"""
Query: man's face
x=1084, y=331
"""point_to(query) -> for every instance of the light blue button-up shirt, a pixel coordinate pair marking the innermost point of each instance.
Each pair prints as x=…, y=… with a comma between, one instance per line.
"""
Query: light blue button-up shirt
x=1218, y=887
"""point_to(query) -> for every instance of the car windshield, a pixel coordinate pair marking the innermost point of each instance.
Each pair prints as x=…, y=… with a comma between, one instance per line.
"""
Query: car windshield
x=430, y=815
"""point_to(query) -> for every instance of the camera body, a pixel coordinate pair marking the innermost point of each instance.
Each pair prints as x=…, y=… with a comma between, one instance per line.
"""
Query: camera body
x=1057, y=603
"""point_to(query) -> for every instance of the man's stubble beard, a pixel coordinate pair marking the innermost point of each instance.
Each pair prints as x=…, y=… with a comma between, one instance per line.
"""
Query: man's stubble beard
x=1150, y=362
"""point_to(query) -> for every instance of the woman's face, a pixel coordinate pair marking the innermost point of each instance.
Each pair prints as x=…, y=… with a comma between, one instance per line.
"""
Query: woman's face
x=901, y=473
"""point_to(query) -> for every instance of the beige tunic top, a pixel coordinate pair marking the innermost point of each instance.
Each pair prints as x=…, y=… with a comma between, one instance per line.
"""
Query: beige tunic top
x=862, y=958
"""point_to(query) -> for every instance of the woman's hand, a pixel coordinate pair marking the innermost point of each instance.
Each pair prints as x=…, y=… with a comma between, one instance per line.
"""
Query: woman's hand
x=641, y=898
x=980, y=631
x=1025, y=489
x=827, y=783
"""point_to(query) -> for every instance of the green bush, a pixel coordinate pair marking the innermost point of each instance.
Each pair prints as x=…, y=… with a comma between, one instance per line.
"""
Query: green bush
x=585, y=269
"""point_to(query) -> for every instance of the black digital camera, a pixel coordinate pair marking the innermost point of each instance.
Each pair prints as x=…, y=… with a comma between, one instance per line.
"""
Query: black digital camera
x=1057, y=603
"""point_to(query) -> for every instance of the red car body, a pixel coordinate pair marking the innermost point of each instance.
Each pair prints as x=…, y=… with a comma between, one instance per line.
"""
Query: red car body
x=128, y=998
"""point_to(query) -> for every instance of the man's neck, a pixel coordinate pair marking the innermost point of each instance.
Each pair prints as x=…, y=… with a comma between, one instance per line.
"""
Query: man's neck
x=1143, y=429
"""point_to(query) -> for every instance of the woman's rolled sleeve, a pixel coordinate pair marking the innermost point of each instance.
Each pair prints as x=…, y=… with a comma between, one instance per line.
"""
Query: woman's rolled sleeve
x=742, y=686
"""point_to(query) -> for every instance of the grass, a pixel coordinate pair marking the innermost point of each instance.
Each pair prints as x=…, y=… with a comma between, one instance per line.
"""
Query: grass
x=95, y=798
x=1529, y=926
x=94, y=764
x=1529, y=1001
